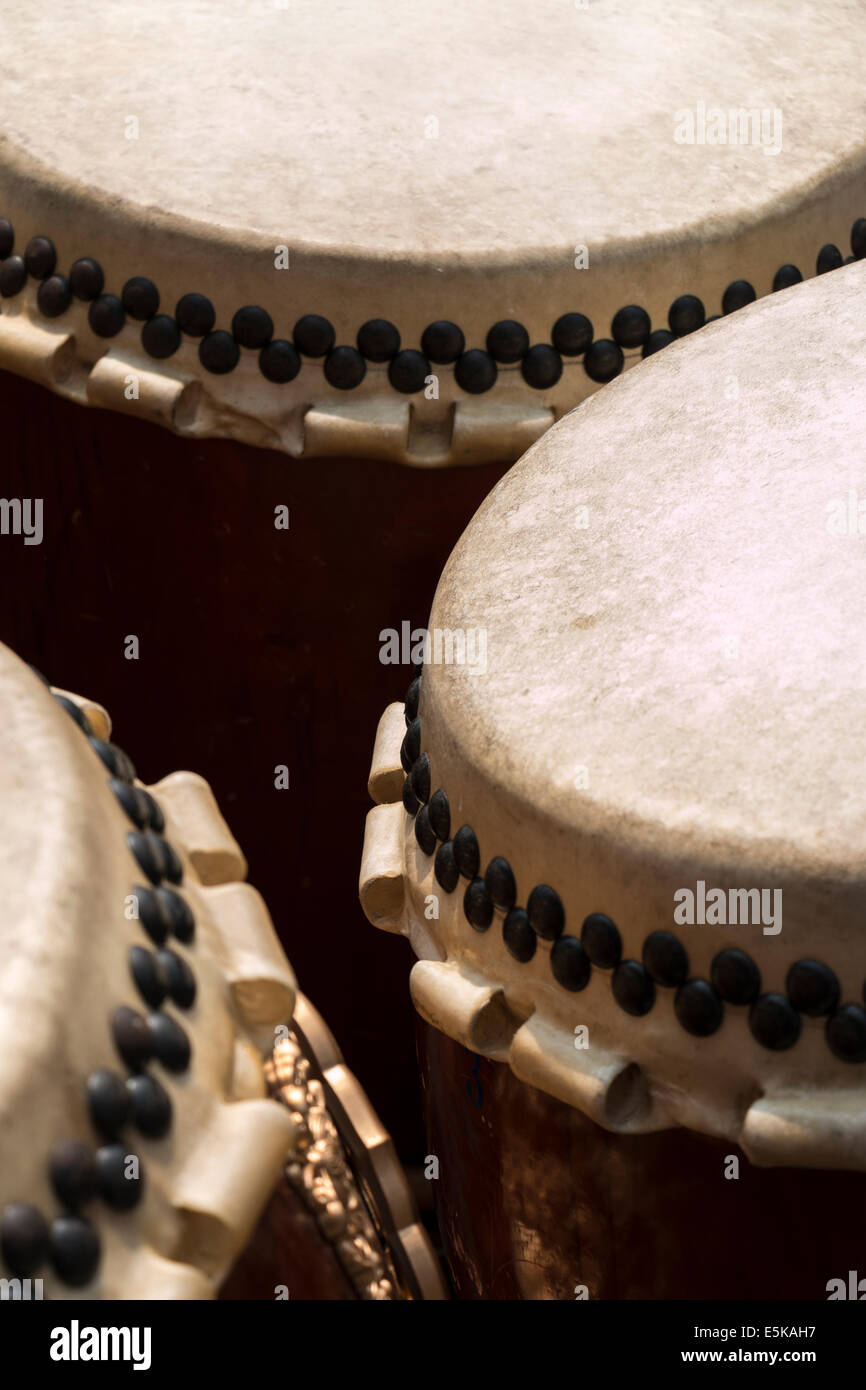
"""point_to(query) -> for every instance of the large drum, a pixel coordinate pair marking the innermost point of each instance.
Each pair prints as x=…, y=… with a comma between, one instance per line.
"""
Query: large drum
x=313, y=244
x=628, y=853
x=161, y=1086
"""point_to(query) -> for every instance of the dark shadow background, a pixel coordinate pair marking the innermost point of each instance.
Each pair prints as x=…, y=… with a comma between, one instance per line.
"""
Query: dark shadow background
x=257, y=647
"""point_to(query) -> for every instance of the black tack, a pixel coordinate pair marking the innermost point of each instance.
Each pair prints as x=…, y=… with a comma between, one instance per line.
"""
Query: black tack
x=631, y=326
x=478, y=905
x=119, y=764
x=106, y=316
x=195, y=315
x=252, y=326
x=73, y=1172
x=785, y=277
x=132, y=1037
x=738, y=294
x=75, y=1250
x=858, y=238
x=812, y=988
x=519, y=938
x=420, y=778
x=571, y=334
x=774, y=1022
x=54, y=296
x=149, y=976
x=603, y=360
x=13, y=276
x=686, y=314
x=160, y=337
x=170, y=1042
x=508, y=341
x=443, y=342
x=499, y=878
x=7, y=238
x=467, y=855
x=633, y=988
x=475, y=372
x=146, y=849
x=40, y=257
x=410, y=800
x=601, y=941
x=658, y=339
x=440, y=815
x=666, y=958
x=140, y=298
x=345, y=368
x=698, y=1008
x=445, y=867
x=151, y=1106
x=108, y=1102
x=846, y=1033
x=829, y=258
x=735, y=976
x=23, y=1239
x=570, y=964
x=121, y=1178
x=178, y=914
x=378, y=340
x=86, y=279
x=75, y=712
x=408, y=372
x=179, y=977
x=279, y=362
x=413, y=694
x=152, y=914
x=313, y=335
x=424, y=832
x=545, y=911
x=541, y=368
x=218, y=352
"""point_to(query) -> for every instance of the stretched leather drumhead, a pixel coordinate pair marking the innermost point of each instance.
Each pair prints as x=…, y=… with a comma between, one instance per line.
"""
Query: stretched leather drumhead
x=639, y=728
x=388, y=217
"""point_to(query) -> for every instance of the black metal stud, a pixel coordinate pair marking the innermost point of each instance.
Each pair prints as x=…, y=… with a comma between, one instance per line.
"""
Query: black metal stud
x=218, y=352
x=571, y=334
x=685, y=315
x=132, y=1037
x=408, y=372
x=152, y=913
x=443, y=342
x=108, y=1101
x=119, y=764
x=252, y=327
x=475, y=372
x=172, y=866
x=738, y=294
x=179, y=977
x=478, y=905
x=54, y=296
x=520, y=940
x=665, y=958
x=785, y=277
x=829, y=258
x=858, y=238
x=445, y=867
x=313, y=335
x=570, y=964
x=658, y=339
x=508, y=341
x=146, y=849
x=179, y=914
x=410, y=748
x=410, y=800
x=170, y=1042
x=499, y=878
x=413, y=694
x=195, y=315
x=420, y=778
x=633, y=988
x=631, y=326
x=812, y=988
x=40, y=257
x=75, y=712
x=156, y=819
x=698, y=1008
x=735, y=976
x=467, y=855
x=86, y=279
x=140, y=298
x=106, y=316
x=151, y=1106
x=345, y=368
x=424, y=832
x=160, y=337
x=23, y=1239
x=121, y=1179
x=545, y=911
x=774, y=1022
x=75, y=1250
x=279, y=361
x=601, y=941
x=378, y=340
x=7, y=238
x=440, y=815
x=846, y=1033
x=603, y=360
x=541, y=368
x=73, y=1172
x=13, y=276
x=149, y=976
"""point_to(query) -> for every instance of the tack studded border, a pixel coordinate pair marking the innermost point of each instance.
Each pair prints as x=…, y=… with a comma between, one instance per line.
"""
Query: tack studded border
x=378, y=340
x=77, y=1173
x=775, y=1020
